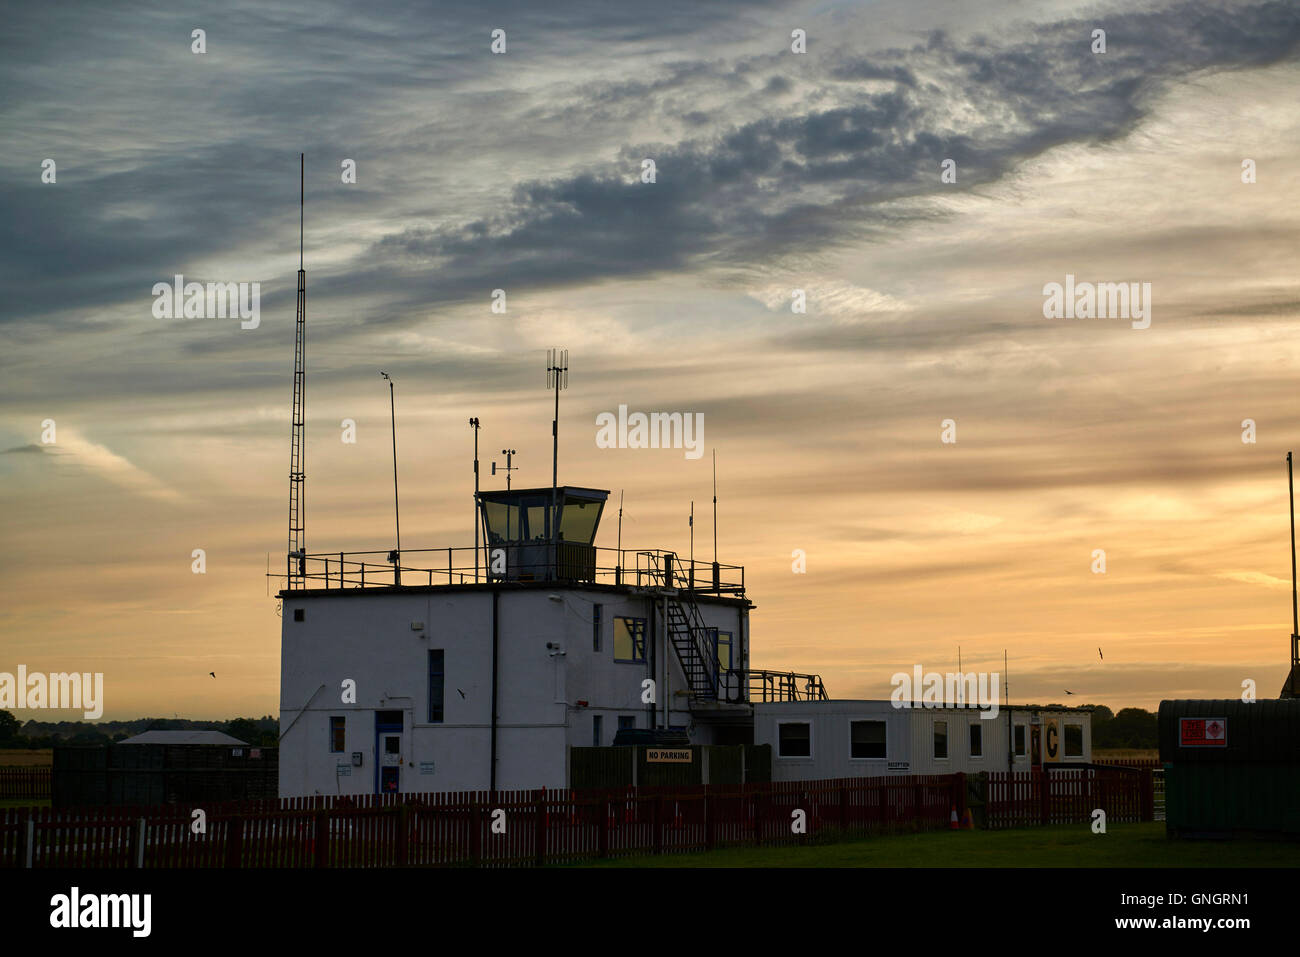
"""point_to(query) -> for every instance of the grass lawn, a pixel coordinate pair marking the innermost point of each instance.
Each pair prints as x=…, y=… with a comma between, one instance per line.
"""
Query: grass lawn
x=1124, y=845
x=24, y=802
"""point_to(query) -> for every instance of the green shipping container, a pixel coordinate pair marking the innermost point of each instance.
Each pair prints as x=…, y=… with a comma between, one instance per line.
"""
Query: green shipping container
x=1232, y=768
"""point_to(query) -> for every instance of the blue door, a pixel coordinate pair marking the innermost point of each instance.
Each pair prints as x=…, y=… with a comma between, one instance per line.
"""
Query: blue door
x=388, y=752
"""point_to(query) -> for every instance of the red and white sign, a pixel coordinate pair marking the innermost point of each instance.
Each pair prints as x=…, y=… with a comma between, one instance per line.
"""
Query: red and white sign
x=1203, y=732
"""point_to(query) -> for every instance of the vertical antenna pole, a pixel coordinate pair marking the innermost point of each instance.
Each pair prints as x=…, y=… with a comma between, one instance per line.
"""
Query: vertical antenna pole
x=717, y=569
x=473, y=423
x=691, y=522
x=1295, y=623
x=397, y=513
x=618, y=565
x=296, y=558
x=557, y=376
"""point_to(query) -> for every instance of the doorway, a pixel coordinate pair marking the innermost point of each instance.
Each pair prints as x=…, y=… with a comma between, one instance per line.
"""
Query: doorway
x=388, y=752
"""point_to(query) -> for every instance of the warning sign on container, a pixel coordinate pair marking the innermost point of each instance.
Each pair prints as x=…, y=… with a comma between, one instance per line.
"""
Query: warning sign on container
x=668, y=756
x=1203, y=732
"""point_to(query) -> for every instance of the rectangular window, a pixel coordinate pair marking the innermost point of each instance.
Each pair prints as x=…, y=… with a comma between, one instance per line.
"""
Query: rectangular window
x=629, y=639
x=976, y=740
x=626, y=722
x=595, y=730
x=337, y=736
x=595, y=626
x=866, y=739
x=1020, y=740
x=794, y=740
x=1074, y=740
x=723, y=640
x=941, y=739
x=436, y=678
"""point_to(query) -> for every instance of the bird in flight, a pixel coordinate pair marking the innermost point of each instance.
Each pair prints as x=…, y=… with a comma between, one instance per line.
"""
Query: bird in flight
x=213, y=673
x=1100, y=655
x=1068, y=691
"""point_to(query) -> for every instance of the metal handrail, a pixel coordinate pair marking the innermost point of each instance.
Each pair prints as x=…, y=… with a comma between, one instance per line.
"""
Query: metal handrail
x=372, y=569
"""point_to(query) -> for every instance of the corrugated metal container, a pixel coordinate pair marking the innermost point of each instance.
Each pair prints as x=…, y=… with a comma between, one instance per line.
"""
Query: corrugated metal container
x=1231, y=767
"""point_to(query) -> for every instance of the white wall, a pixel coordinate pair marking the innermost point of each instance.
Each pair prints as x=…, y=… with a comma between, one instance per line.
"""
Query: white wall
x=367, y=636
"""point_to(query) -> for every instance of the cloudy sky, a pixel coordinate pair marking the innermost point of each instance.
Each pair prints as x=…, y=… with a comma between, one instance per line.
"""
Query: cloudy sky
x=775, y=171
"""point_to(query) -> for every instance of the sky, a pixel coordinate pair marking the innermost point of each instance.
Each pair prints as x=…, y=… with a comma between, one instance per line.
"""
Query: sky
x=774, y=171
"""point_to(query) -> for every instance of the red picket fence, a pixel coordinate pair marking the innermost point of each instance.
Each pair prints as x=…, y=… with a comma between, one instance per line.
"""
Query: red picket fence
x=1067, y=796
x=26, y=784
x=516, y=828
x=1140, y=763
x=525, y=828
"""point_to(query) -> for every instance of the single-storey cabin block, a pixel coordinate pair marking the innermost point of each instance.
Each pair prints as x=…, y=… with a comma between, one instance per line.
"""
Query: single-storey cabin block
x=814, y=740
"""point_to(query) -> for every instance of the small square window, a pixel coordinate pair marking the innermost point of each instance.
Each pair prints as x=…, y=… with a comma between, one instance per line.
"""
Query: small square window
x=299, y=614
x=629, y=639
x=794, y=740
x=867, y=739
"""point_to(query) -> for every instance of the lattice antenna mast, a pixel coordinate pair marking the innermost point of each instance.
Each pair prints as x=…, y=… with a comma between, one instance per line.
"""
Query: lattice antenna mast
x=297, y=553
x=557, y=378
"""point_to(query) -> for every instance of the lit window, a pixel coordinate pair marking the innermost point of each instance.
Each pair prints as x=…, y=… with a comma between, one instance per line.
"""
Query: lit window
x=629, y=639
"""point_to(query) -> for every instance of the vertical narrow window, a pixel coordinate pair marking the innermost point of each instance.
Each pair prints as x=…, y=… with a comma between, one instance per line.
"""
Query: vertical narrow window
x=723, y=642
x=595, y=626
x=436, y=680
x=1020, y=740
x=337, y=736
x=941, y=739
x=976, y=740
x=595, y=730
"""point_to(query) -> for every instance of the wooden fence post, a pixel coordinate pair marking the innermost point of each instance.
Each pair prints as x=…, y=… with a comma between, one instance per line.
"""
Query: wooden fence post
x=475, y=834
x=540, y=831
x=657, y=823
x=403, y=834
x=602, y=845
x=322, y=838
x=708, y=822
x=234, y=842
x=1045, y=798
x=1148, y=796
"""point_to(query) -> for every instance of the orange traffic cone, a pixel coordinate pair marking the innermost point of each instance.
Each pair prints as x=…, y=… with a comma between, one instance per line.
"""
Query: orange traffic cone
x=967, y=822
x=952, y=820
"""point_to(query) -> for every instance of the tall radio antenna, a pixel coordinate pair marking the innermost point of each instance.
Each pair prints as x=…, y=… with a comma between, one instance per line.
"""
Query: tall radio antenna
x=297, y=466
x=557, y=378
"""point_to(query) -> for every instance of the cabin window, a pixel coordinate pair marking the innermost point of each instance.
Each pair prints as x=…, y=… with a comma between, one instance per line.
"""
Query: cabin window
x=436, y=681
x=1074, y=740
x=337, y=736
x=299, y=614
x=1020, y=740
x=626, y=722
x=595, y=626
x=794, y=739
x=629, y=639
x=866, y=739
x=976, y=740
x=941, y=740
x=595, y=730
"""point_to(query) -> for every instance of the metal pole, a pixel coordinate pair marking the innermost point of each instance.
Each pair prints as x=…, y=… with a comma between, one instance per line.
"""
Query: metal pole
x=397, y=513
x=474, y=425
x=1295, y=623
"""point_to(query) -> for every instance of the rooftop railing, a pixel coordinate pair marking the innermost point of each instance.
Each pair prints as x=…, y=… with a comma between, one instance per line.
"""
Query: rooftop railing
x=525, y=562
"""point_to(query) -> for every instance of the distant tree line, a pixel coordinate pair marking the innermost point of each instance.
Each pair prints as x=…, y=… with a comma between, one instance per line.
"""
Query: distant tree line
x=263, y=732
x=1131, y=728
